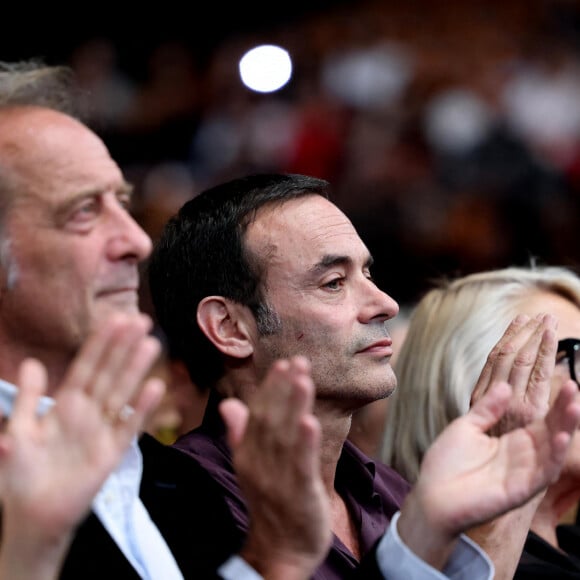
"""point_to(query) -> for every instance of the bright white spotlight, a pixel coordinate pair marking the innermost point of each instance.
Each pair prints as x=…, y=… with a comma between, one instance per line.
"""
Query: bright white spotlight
x=265, y=68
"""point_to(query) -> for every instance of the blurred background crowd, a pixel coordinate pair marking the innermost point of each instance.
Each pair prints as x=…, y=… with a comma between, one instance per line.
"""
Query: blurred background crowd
x=450, y=130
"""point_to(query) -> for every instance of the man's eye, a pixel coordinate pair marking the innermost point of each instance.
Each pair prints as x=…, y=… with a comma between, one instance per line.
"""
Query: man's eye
x=334, y=284
x=85, y=211
x=369, y=276
x=125, y=201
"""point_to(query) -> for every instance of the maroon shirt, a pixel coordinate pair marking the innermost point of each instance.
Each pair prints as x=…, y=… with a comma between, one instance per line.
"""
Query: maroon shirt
x=372, y=492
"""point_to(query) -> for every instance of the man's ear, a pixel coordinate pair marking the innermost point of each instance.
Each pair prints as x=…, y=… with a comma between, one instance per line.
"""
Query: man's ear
x=227, y=324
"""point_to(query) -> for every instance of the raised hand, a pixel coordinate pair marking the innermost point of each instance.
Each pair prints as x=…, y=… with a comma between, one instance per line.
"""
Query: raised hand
x=52, y=466
x=524, y=357
x=276, y=446
x=469, y=477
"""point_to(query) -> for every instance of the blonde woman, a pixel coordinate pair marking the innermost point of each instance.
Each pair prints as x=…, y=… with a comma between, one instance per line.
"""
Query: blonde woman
x=451, y=332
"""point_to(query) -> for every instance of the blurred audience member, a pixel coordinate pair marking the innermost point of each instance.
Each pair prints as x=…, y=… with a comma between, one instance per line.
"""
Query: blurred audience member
x=541, y=103
x=460, y=120
x=164, y=188
x=183, y=405
x=105, y=92
x=165, y=107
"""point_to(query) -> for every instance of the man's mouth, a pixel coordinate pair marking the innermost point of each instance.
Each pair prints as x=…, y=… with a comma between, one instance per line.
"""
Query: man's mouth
x=123, y=294
x=381, y=347
x=121, y=290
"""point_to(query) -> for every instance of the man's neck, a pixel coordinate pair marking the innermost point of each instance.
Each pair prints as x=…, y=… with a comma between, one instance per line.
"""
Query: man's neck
x=56, y=364
x=335, y=428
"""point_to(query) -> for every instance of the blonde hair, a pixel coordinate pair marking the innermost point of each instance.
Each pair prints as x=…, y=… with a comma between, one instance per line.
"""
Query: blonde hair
x=451, y=332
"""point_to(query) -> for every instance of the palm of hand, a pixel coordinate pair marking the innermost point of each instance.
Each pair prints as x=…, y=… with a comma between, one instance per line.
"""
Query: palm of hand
x=484, y=476
x=42, y=455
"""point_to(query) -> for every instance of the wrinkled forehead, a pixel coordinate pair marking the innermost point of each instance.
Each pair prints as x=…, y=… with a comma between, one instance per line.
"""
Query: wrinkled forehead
x=298, y=233
x=44, y=152
x=44, y=134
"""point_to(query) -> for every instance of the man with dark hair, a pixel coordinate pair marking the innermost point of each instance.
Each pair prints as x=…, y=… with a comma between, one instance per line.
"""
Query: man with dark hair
x=266, y=267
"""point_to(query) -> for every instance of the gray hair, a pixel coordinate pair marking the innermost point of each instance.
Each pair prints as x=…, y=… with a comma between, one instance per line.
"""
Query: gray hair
x=451, y=332
x=29, y=83
x=32, y=83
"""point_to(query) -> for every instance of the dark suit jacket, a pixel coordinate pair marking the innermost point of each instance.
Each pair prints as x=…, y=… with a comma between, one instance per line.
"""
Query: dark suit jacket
x=182, y=501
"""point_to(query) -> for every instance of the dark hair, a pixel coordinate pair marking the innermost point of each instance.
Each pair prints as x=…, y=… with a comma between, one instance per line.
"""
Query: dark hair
x=201, y=253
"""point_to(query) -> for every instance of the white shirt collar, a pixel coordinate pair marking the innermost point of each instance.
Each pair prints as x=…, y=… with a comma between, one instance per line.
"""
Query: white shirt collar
x=8, y=394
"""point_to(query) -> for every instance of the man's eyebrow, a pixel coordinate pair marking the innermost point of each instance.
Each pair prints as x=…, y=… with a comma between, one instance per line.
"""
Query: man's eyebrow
x=127, y=190
x=330, y=260
x=124, y=189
